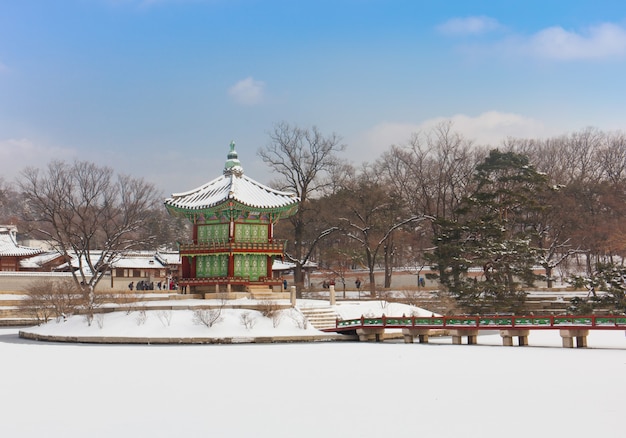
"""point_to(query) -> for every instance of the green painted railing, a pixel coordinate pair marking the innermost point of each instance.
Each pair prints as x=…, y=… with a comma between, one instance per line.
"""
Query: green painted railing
x=275, y=246
x=605, y=322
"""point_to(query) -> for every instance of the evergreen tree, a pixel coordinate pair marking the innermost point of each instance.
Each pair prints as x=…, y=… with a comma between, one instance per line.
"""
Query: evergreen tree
x=609, y=278
x=485, y=256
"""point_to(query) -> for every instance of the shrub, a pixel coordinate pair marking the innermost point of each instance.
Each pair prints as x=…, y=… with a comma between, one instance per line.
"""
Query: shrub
x=165, y=316
x=247, y=320
x=301, y=321
x=47, y=299
x=207, y=317
x=268, y=308
x=142, y=317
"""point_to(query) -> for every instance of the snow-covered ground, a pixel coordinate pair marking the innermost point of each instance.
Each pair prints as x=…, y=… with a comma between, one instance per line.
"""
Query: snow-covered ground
x=237, y=324
x=318, y=389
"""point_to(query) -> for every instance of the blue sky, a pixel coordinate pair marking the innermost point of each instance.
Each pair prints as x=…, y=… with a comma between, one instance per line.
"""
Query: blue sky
x=159, y=88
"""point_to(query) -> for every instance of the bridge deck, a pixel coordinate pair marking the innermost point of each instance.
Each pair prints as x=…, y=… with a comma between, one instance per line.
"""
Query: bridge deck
x=532, y=322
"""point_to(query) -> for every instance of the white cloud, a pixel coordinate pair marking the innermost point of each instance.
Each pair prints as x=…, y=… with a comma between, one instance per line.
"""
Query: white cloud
x=247, y=91
x=603, y=41
x=146, y=3
x=489, y=128
x=17, y=154
x=469, y=26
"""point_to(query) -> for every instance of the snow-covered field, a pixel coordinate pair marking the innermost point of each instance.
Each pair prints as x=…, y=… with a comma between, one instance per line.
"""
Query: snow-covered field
x=318, y=389
x=237, y=324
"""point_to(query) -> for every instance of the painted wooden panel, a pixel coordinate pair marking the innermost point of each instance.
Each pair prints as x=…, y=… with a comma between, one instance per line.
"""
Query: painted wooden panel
x=251, y=233
x=212, y=266
x=208, y=233
x=252, y=266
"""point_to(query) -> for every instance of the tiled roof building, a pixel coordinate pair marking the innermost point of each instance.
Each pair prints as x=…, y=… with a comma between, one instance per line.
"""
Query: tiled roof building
x=232, y=247
x=11, y=253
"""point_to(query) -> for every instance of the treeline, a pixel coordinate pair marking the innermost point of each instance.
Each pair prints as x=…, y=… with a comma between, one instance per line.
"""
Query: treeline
x=483, y=217
x=158, y=229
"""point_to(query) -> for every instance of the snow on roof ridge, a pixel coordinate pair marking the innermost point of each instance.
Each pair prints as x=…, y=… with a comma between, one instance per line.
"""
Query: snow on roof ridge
x=240, y=188
x=9, y=246
x=232, y=184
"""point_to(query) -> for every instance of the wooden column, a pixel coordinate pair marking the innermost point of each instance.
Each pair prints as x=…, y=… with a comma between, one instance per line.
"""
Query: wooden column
x=270, y=259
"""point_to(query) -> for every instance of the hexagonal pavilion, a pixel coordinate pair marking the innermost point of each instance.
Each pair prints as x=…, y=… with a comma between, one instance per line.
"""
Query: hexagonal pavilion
x=232, y=245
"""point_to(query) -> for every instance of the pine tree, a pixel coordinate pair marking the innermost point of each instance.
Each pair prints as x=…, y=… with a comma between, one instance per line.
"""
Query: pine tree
x=487, y=254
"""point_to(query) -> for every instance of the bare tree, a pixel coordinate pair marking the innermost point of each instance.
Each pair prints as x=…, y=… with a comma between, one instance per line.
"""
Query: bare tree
x=431, y=174
x=303, y=159
x=11, y=204
x=612, y=158
x=87, y=213
x=370, y=216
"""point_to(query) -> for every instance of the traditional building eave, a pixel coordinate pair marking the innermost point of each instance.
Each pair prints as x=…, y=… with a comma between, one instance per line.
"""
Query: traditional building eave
x=231, y=209
x=9, y=246
x=232, y=192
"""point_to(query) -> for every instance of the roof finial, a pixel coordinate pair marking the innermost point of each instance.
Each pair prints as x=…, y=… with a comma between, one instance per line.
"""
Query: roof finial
x=232, y=164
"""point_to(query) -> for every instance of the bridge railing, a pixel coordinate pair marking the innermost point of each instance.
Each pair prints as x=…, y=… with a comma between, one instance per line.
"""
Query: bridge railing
x=606, y=322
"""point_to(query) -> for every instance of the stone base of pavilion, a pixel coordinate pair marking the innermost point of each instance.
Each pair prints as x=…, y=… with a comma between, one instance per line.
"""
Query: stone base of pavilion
x=247, y=295
x=237, y=292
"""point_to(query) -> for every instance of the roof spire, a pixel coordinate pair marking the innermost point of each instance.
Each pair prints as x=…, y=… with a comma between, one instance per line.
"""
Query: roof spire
x=233, y=165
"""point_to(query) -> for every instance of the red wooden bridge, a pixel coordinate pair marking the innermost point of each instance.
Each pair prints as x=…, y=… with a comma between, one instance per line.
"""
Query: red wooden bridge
x=570, y=326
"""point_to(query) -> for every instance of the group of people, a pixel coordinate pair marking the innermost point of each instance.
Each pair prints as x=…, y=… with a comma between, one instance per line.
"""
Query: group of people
x=168, y=284
x=143, y=285
x=327, y=283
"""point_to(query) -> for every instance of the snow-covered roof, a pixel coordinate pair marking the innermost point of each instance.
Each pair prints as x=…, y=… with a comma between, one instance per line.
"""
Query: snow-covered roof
x=233, y=185
x=137, y=261
x=9, y=246
x=130, y=260
x=168, y=258
x=279, y=265
x=39, y=260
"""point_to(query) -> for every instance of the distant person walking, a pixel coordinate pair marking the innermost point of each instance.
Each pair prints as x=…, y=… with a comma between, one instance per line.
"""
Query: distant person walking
x=131, y=285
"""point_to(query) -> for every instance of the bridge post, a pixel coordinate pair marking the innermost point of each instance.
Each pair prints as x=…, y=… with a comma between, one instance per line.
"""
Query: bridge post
x=293, y=296
x=508, y=335
x=410, y=334
x=569, y=335
x=376, y=334
x=331, y=293
x=457, y=336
